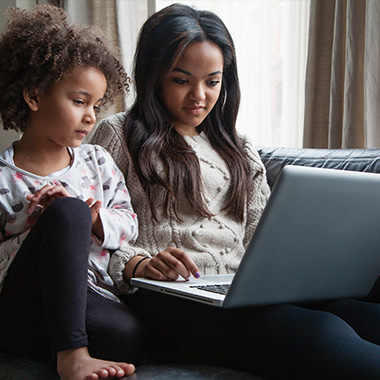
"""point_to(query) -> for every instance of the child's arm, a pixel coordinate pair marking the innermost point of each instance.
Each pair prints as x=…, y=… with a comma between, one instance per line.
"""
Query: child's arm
x=45, y=196
x=97, y=225
x=118, y=220
x=11, y=245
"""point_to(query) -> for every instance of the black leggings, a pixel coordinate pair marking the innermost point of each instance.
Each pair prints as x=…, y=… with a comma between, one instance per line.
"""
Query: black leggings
x=339, y=340
x=45, y=304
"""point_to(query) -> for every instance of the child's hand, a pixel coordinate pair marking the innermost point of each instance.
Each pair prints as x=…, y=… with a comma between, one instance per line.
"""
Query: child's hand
x=97, y=226
x=45, y=196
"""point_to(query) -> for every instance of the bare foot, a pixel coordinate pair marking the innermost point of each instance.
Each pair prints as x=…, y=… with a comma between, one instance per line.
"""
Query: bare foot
x=77, y=364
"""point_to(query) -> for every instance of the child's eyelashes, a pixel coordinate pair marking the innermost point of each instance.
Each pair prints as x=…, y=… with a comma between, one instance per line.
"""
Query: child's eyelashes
x=81, y=102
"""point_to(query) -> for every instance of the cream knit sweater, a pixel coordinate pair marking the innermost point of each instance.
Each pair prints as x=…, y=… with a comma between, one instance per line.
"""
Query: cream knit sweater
x=216, y=244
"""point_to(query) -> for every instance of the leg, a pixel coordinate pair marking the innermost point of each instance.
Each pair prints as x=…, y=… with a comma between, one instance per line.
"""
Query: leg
x=44, y=299
x=313, y=344
x=113, y=330
x=281, y=341
x=46, y=282
x=363, y=316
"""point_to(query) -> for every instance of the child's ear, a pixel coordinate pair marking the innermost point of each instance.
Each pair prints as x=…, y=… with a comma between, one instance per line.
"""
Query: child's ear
x=31, y=98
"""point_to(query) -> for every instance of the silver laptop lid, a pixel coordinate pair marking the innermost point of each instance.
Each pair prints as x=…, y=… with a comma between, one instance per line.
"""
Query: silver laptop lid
x=318, y=238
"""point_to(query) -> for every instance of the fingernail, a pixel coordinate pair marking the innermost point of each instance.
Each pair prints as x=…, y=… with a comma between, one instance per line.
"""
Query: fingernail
x=197, y=275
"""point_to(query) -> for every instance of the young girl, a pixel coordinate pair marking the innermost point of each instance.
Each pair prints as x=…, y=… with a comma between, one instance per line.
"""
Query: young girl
x=63, y=205
x=199, y=190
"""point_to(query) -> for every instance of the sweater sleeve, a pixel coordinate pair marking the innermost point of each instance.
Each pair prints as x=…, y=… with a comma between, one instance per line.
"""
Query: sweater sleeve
x=259, y=194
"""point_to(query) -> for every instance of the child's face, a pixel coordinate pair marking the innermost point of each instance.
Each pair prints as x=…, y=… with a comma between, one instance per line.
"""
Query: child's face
x=66, y=113
x=192, y=88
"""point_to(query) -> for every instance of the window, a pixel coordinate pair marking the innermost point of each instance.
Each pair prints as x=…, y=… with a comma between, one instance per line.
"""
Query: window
x=271, y=43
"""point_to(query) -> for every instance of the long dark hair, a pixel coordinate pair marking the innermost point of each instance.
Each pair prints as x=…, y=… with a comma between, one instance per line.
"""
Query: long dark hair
x=149, y=134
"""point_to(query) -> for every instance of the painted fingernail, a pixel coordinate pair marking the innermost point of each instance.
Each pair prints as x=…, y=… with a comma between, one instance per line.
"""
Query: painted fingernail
x=197, y=275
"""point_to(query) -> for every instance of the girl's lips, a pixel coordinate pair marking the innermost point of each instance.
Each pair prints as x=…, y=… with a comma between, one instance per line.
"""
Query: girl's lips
x=82, y=133
x=194, y=110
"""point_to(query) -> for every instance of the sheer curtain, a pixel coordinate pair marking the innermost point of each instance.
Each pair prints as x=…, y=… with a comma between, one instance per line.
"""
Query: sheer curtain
x=343, y=75
x=271, y=43
x=130, y=17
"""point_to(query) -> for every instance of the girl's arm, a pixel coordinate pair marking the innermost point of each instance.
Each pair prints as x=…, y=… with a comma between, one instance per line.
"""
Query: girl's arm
x=168, y=264
x=258, y=198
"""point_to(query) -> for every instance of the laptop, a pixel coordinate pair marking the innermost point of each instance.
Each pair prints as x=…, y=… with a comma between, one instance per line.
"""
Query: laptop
x=318, y=239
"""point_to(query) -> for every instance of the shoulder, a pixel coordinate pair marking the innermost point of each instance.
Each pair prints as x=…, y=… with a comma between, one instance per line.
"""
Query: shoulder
x=110, y=135
x=94, y=154
x=252, y=155
x=114, y=122
x=5, y=169
x=109, y=129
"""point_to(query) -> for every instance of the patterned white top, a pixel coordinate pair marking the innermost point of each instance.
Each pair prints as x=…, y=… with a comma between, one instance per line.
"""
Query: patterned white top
x=92, y=174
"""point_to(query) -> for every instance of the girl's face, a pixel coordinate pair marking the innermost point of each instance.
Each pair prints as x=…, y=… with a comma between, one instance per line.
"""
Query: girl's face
x=64, y=115
x=192, y=88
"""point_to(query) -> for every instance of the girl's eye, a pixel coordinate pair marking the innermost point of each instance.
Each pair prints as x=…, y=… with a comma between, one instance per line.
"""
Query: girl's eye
x=213, y=83
x=180, y=81
x=78, y=101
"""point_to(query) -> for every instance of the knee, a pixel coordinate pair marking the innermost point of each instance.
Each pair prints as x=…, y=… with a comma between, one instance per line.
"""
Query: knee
x=67, y=209
x=70, y=206
x=323, y=331
x=305, y=327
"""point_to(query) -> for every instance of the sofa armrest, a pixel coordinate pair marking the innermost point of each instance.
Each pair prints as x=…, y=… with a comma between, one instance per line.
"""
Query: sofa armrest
x=274, y=159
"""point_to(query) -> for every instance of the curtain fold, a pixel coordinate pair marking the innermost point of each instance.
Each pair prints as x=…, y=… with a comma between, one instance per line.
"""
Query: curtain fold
x=343, y=75
x=372, y=76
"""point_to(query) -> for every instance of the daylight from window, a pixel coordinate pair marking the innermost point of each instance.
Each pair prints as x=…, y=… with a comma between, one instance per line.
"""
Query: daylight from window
x=271, y=44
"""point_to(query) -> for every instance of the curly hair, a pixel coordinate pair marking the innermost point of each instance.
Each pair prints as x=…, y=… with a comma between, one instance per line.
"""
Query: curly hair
x=38, y=48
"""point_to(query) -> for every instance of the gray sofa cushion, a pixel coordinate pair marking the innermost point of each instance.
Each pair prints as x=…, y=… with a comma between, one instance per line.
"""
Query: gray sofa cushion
x=15, y=368
x=274, y=159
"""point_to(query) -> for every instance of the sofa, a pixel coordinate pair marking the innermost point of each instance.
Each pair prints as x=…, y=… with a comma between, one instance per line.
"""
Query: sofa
x=366, y=160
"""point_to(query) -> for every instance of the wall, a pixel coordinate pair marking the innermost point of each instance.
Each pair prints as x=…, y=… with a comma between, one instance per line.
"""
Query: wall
x=7, y=137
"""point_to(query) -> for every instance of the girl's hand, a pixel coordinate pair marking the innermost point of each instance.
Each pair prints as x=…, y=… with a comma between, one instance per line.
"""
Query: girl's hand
x=45, y=196
x=169, y=265
x=97, y=226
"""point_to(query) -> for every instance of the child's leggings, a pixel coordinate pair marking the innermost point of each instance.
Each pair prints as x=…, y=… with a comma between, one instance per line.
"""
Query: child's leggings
x=45, y=304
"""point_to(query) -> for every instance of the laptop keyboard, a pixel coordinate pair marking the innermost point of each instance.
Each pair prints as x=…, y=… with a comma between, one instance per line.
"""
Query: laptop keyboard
x=220, y=288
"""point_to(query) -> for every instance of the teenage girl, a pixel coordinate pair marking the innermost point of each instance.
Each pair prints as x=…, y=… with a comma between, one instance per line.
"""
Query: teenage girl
x=199, y=190
x=63, y=206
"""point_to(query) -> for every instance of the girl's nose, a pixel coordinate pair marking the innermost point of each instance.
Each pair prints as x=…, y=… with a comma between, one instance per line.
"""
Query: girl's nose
x=198, y=93
x=90, y=116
